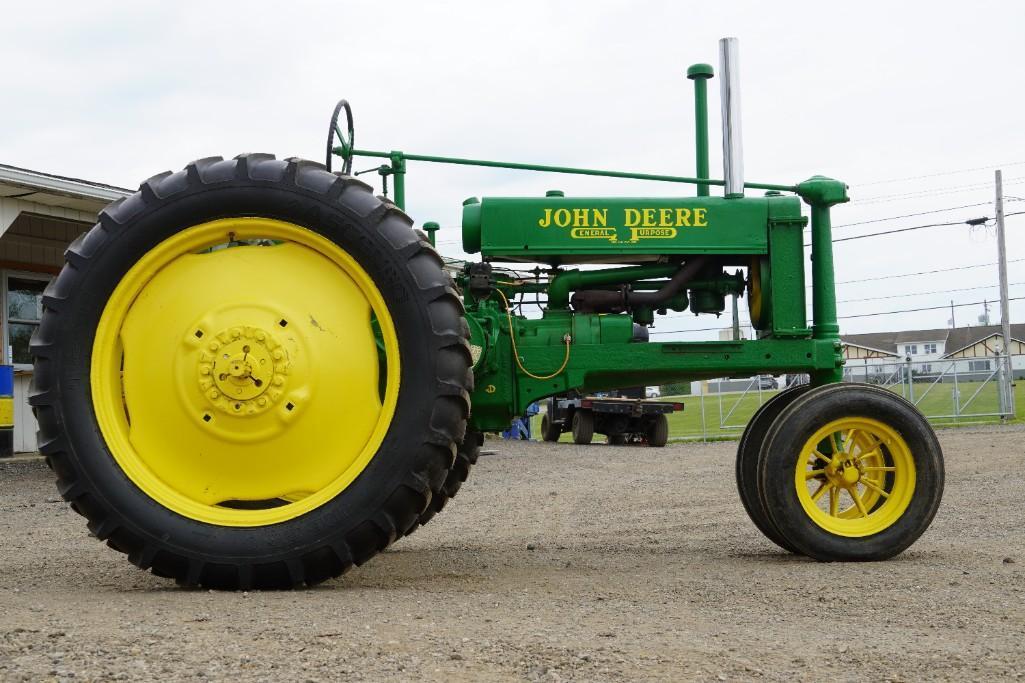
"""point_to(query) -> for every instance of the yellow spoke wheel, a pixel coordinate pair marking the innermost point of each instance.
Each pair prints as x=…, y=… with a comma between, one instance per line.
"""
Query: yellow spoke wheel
x=848, y=490
x=219, y=375
x=848, y=472
x=253, y=373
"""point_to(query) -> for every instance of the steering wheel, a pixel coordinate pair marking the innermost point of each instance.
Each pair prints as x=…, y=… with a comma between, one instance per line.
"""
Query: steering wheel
x=346, y=142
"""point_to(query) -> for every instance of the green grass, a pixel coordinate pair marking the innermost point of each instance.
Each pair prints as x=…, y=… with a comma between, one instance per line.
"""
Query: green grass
x=687, y=424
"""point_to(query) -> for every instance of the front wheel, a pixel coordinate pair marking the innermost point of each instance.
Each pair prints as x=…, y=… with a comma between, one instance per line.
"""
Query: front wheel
x=251, y=374
x=748, y=453
x=850, y=472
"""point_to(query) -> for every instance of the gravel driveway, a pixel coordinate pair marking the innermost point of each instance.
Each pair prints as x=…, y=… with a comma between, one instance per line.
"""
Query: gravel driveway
x=556, y=562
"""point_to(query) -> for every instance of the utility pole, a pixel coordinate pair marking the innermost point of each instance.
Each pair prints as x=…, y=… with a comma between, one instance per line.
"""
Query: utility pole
x=953, y=321
x=1005, y=315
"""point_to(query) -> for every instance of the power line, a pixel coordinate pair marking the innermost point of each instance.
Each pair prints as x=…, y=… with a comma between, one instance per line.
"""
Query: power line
x=910, y=215
x=923, y=272
x=921, y=194
x=908, y=229
x=895, y=230
x=951, y=172
x=925, y=308
x=938, y=291
x=703, y=329
x=857, y=315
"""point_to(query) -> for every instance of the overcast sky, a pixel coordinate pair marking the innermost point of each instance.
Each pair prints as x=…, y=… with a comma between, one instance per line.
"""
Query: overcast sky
x=877, y=94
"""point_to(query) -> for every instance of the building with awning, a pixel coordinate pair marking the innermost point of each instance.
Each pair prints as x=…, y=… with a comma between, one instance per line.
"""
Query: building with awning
x=40, y=214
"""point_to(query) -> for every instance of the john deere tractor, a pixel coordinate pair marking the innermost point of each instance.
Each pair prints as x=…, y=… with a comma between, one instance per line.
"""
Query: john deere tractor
x=257, y=373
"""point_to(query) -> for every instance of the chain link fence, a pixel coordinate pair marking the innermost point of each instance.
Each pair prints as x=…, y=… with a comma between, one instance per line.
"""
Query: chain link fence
x=961, y=391
x=948, y=392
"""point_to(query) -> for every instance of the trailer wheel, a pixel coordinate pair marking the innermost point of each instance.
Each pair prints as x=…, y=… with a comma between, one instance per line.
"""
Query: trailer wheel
x=658, y=431
x=583, y=426
x=550, y=431
x=850, y=472
x=251, y=374
x=748, y=452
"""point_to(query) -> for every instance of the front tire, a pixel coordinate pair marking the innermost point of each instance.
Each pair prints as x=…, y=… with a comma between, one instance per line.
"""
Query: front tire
x=851, y=472
x=748, y=452
x=284, y=461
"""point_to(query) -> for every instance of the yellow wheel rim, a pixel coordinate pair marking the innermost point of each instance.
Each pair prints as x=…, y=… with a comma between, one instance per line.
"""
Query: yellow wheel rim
x=244, y=372
x=855, y=477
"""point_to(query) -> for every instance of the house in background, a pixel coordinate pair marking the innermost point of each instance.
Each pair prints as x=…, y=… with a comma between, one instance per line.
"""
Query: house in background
x=40, y=215
x=962, y=350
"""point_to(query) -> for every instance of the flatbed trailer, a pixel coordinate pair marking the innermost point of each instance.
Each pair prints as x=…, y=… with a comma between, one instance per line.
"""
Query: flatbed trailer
x=621, y=419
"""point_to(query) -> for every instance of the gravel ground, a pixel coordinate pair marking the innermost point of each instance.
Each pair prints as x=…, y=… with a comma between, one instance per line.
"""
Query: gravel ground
x=556, y=562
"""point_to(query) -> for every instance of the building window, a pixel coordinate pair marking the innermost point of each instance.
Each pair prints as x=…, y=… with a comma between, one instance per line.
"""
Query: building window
x=925, y=368
x=929, y=348
x=911, y=349
x=978, y=366
x=24, y=309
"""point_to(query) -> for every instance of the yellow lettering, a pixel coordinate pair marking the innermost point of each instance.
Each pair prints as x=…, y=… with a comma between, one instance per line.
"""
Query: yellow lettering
x=637, y=234
x=632, y=218
x=546, y=220
x=601, y=217
x=699, y=218
x=649, y=218
x=665, y=218
x=683, y=217
x=580, y=218
x=603, y=233
x=562, y=217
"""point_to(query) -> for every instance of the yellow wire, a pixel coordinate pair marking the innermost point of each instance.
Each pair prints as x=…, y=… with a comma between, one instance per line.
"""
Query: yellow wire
x=516, y=353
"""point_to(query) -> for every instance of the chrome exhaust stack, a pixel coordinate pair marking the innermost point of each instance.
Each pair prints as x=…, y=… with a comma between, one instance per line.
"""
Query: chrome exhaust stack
x=732, y=140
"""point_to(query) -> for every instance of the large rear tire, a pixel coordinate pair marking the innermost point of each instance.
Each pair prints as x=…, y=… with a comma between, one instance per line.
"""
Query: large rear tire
x=467, y=454
x=218, y=366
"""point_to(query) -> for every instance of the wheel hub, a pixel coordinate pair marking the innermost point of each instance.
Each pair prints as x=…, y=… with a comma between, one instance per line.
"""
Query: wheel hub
x=843, y=471
x=242, y=370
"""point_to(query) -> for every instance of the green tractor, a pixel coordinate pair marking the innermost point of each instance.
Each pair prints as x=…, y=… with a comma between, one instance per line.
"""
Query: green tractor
x=256, y=373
